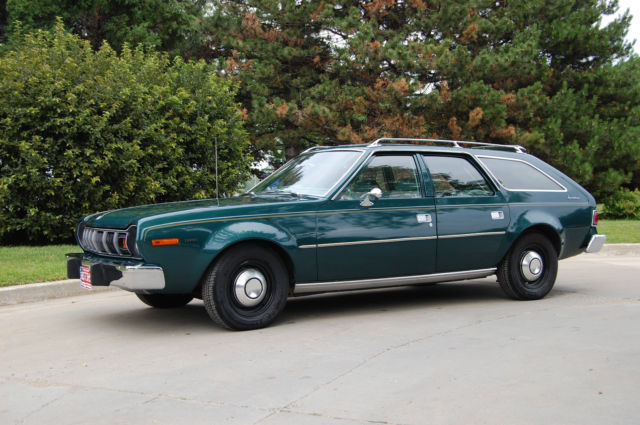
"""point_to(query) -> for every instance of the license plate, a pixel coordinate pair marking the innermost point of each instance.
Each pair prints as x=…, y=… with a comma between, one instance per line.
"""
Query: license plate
x=85, y=277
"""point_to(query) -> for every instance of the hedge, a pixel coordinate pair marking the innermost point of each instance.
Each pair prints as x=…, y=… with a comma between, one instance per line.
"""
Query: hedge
x=84, y=131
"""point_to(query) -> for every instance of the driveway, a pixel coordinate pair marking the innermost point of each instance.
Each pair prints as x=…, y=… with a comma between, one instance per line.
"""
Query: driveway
x=454, y=353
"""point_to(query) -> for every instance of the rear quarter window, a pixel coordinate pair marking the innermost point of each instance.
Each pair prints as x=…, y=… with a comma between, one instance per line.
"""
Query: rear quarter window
x=514, y=174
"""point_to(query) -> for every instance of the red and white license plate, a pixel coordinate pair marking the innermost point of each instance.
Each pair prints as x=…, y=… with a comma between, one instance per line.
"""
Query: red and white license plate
x=85, y=277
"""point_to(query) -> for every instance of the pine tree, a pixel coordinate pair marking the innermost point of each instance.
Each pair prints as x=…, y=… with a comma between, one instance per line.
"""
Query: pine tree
x=169, y=25
x=543, y=74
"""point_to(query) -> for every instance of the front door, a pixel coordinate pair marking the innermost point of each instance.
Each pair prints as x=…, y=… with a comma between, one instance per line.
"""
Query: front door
x=472, y=215
x=394, y=235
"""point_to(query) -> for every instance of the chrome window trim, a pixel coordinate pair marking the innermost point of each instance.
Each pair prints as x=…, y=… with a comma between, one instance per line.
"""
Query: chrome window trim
x=366, y=160
x=444, y=206
x=549, y=204
x=310, y=151
x=346, y=173
x=349, y=285
x=497, y=181
x=355, y=174
x=473, y=161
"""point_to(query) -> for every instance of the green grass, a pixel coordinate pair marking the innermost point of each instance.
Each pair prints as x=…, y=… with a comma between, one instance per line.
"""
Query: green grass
x=28, y=264
x=620, y=231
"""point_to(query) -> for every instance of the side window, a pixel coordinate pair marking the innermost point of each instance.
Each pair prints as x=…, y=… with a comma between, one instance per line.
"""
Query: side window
x=395, y=175
x=455, y=176
x=519, y=175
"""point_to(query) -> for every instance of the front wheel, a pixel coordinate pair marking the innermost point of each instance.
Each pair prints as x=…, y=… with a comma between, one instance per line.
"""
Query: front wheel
x=246, y=289
x=165, y=300
x=529, y=270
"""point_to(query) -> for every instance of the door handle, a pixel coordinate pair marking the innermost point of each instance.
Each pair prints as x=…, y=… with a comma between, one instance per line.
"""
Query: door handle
x=425, y=218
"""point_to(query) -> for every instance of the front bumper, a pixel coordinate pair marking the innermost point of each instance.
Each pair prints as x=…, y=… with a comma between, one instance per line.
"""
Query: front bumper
x=131, y=277
x=595, y=243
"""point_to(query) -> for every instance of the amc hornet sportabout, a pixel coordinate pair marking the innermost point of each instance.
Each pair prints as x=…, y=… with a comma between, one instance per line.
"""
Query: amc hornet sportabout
x=346, y=218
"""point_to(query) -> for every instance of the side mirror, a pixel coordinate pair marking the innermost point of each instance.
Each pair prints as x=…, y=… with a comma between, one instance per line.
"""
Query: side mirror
x=373, y=193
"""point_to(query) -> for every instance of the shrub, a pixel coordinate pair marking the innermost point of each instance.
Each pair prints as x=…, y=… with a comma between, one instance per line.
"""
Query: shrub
x=84, y=131
x=623, y=204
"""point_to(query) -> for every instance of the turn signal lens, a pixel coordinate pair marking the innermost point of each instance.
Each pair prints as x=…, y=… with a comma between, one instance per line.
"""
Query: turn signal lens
x=165, y=242
x=594, y=220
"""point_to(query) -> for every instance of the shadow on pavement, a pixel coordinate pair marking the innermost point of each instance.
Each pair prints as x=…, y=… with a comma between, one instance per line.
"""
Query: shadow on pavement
x=193, y=317
x=389, y=299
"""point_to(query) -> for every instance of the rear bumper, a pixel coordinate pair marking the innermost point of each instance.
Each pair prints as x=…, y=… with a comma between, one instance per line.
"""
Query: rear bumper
x=595, y=243
x=131, y=277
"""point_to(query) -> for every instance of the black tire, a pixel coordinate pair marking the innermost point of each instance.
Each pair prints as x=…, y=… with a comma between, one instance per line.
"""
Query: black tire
x=165, y=300
x=518, y=273
x=227, y=288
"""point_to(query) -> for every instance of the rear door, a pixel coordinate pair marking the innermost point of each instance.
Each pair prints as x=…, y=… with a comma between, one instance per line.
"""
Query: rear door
x=472, y=215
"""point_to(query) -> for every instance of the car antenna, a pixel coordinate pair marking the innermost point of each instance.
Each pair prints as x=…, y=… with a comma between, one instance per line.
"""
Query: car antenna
x=216, y=155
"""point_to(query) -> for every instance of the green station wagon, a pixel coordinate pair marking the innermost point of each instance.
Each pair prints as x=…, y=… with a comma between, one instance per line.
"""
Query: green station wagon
x=394, y=212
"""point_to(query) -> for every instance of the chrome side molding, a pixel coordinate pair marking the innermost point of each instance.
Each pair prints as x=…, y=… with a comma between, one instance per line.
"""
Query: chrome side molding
x=351, y=285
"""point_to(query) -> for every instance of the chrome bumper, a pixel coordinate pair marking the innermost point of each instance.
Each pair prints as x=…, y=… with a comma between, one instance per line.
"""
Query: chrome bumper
x=596, y=243
x=131, y=277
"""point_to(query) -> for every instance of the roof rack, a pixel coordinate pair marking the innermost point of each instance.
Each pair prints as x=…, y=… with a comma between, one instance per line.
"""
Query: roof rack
x=453, y=143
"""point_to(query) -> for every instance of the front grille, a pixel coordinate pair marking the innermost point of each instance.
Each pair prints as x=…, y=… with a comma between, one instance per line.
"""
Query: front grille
x=111, y=242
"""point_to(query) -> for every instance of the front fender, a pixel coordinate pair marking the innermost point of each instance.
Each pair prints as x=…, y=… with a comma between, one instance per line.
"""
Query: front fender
x=288, y=236
x=231, y=233
x=202, y=242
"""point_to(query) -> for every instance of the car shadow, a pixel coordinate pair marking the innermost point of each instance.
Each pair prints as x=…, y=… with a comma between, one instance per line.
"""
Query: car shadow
x=193, y=317
x=388, y=299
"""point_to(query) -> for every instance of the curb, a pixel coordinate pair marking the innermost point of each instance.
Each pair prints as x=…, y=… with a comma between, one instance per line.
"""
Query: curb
x=33, y=292
x=631, y=249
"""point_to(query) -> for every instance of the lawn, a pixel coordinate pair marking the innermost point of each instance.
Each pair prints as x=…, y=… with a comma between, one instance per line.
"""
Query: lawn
x=27, y=264
x=620, y=231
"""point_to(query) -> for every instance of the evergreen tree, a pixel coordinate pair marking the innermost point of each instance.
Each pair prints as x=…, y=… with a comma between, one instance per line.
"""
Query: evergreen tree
x=3, y=22
x=543, y=74
x=169, y=25
x=279, y=52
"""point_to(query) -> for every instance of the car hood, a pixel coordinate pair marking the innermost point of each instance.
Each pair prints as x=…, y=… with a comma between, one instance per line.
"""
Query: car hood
x=125, y=217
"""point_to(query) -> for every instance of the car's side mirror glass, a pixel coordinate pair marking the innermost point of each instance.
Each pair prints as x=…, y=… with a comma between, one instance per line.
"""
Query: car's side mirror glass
x=373, y=193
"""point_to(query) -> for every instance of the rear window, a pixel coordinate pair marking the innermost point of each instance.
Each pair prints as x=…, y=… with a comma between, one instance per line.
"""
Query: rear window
x=515, y=174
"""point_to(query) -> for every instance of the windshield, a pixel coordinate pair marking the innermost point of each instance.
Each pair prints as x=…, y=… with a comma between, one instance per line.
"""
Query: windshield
x=314, y=174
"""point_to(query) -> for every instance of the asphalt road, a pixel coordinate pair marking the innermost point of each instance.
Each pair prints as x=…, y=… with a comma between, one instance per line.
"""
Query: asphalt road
x=455, y=353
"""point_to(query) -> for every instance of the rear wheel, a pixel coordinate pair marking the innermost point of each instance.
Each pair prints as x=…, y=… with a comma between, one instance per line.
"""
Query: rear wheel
x=165, y=300
x=529, y=270
x=246, y=288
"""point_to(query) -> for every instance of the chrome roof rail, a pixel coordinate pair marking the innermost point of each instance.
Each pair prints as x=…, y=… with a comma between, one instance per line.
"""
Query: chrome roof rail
x=310, y=149
x=452, y=143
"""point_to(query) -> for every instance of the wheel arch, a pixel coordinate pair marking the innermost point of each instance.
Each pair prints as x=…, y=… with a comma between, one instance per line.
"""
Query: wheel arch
x=265, y=243
x=534, y=220
x=545, y=230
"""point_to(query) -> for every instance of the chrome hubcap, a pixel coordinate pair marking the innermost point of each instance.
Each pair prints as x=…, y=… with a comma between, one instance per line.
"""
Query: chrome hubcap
x=250, y=287
x=531, y=266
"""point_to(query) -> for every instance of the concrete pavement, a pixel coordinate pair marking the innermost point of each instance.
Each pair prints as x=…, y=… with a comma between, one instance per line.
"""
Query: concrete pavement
x=455, y=353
